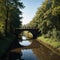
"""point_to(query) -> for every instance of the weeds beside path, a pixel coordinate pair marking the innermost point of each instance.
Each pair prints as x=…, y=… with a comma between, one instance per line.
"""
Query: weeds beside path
x=51, y=44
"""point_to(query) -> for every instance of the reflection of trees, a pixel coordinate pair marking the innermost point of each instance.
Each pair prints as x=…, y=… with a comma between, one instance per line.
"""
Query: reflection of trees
x=15, y=56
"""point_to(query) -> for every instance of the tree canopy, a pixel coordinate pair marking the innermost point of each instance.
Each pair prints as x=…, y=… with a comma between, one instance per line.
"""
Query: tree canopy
x=47, y=18
x=10, y=14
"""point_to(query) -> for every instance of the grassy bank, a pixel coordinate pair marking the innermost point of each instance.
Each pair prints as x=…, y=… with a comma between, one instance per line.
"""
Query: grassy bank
x=51, y=42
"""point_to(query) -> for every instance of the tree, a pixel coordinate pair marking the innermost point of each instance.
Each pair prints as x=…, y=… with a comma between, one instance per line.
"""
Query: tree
x=11, y=14
x=47, y=17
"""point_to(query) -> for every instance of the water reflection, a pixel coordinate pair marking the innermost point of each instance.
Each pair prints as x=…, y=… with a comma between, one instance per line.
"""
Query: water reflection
x=28, y=55
x=24, y=54
x=15, y=56
x=24, y=41
x=35, y=51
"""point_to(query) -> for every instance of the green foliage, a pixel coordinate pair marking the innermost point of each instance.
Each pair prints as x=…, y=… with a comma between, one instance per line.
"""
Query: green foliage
x=28, y=34
x=52, y=42
x=47, y=19
x=56, y=34
x=56, y=11
x=10, y=14
x=9, y=21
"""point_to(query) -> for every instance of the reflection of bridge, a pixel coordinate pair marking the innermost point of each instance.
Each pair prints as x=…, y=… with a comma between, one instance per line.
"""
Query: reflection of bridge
x=35, y=44
x=35, y=32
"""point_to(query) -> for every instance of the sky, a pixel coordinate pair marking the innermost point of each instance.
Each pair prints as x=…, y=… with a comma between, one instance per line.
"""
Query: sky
x=30, y=9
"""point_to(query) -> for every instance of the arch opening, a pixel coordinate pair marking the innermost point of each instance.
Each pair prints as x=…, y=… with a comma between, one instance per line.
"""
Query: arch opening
x=26, y=37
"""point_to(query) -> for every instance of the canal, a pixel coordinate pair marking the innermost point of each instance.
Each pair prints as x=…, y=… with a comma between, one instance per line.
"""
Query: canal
x=30, y=50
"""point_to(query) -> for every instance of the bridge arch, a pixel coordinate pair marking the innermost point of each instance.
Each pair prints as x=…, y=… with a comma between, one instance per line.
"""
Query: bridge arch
x=35, y=32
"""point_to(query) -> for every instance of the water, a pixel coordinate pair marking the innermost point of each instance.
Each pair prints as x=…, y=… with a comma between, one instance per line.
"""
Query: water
x=28, y=55
x=30, y=51
x=22, y=54
x=25, y=42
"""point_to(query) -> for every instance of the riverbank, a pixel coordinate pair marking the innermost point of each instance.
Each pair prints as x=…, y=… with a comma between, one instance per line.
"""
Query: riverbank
x=5, y=43
x=51, y=44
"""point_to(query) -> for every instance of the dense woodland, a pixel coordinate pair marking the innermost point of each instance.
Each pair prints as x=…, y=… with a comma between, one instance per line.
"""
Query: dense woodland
x=47, y=19
x=10, y=15
x=10, y=19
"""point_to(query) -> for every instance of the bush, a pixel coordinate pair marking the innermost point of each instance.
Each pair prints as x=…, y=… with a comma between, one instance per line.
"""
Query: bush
x=49, y=34
x=55, y=34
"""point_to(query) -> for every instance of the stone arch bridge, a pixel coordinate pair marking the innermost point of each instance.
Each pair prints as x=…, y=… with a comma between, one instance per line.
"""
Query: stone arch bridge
x=35, y=32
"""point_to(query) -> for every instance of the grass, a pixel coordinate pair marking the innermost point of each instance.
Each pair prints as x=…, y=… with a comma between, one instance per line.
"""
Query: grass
x=52, y=42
